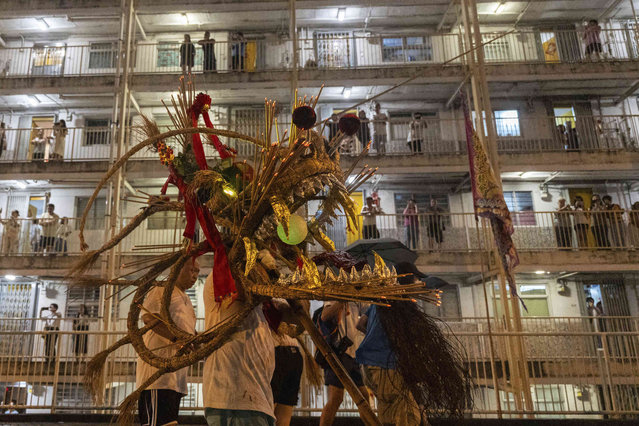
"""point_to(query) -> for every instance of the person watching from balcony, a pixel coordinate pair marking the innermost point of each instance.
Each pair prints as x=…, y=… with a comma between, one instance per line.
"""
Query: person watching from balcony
x=370, y=212
x=633, y=225
x=338, y=323
x=582, y=223
x=12, y=409
x=208, y=51
x=81, y=324
x=11, y=234
x=60, y=133
x=49, y=222
x=599, y=224
x=51, y=327
x=571, y=137
x=364, y=134
x=436, y=226
x=35, y=235
x=617, y=226
x=416, y=133
x=39, y=143
x=238, y=50
x=159, y=403
x=3, y=138
x=333, y=127
x=61, y=235
x=593, y=40
x=187, y=55
x=411, y=222
x=561, y=135
x=379, y=130
x=563, y=226
x=395, y=404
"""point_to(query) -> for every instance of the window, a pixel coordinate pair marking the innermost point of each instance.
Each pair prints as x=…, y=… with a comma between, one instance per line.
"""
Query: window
x=163, y=220
x=97, y=132
x=520, y=204
x=406, y=49
x=95, y=218
x=496, y=50
x=78, y=296
x=507, y=123
x=102, y=55
x=169, y=54
x=549, y=398
x=534, y=296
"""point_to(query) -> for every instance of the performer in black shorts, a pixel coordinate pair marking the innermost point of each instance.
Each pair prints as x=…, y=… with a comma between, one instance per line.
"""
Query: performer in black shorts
x=159, y=407
x=287, y=375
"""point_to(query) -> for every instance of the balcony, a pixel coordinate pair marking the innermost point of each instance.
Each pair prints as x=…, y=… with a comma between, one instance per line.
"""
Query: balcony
x=569, y=361
x=609, y=242
x=269, y=58
x=608, y=142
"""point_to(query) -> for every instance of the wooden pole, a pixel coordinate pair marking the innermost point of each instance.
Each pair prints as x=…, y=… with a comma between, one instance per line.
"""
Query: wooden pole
x=365, y=411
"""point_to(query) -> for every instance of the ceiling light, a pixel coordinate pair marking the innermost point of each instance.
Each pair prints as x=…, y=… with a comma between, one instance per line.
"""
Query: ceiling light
x=33, y=100
x=21, y=185
x=540, y=272
x=42, y=24
x=341, y=13
x=10, y=277
x=526, y=175
x=346, y=92
x=185, y=18
x=500, y=8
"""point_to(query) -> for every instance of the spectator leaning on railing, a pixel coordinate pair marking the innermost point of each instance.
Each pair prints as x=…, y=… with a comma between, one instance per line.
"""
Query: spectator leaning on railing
x=599, y=224
x=380, y=135
x=49, y=222
x=11, y=235
x=633, y=225
x=614, y=215
x=563, y=226
x=61, y=235
x=592, y=39
x=582, y=223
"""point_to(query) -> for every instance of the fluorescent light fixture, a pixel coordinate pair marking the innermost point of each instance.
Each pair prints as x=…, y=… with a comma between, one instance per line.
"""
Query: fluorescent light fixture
x=346, y=92
x=42, y=24
x=21, y=184
x=526, y=175
x=33, y=100
x=185, y=18
x=540, y=272
x=10, y=277
x=350, y=179
x=341, y=13
x=500, y=8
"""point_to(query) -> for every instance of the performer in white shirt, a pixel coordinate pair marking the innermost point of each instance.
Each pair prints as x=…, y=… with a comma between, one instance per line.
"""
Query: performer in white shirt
x=159, y=404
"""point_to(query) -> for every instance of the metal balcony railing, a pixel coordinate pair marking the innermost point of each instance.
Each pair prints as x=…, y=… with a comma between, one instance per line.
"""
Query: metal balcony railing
x=577, y=366
x=446, y=233
x=436, y=136
x=320, y=51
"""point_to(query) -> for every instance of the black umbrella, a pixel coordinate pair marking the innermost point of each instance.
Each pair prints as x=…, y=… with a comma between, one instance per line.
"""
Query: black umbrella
x=393, y=251
x=390, y=250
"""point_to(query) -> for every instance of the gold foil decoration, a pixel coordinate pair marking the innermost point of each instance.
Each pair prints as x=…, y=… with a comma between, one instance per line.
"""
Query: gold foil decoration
x=311, y=274
x=380, y=265
x=251, y=255
x=281, y=211
x=320, y=237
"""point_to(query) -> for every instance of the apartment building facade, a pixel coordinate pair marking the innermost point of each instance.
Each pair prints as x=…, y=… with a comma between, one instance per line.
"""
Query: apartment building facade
x=567, y=126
